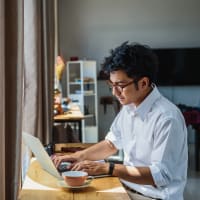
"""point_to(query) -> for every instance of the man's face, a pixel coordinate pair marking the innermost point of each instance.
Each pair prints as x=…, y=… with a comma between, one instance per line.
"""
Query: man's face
x=128, y=92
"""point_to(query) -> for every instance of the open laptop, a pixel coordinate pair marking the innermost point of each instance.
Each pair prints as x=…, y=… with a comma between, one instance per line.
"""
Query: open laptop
x=41, y=155
x=43, y=158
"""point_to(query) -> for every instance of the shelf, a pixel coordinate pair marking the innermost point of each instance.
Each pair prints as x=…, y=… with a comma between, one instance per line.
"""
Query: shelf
x=85, y=92
x=89, y=115
x=82, y=87
x=90, y=94
x=79, y=83
x=81, y=94
x=74, y=83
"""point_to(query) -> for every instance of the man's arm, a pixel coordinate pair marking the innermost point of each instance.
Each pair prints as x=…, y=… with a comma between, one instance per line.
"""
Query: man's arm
x=102, y=150
x=98, y=151
x=139, y=175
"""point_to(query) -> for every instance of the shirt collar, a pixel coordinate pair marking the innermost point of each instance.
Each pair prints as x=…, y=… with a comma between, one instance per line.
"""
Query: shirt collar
x=146, y=104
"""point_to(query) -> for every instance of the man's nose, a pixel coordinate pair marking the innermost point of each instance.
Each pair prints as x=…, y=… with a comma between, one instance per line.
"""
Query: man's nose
x=115, y=91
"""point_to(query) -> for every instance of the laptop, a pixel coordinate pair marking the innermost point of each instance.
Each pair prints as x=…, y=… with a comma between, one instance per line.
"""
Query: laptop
x=45, y=161
x=41, y=155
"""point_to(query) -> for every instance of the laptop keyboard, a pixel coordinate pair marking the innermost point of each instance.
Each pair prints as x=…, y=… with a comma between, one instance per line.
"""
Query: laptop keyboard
x=63, y=166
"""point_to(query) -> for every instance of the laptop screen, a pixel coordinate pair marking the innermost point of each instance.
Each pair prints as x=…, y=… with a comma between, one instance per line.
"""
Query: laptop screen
x=41, y=155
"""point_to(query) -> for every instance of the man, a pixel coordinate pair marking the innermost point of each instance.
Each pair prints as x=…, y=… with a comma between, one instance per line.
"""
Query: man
x=149, y=129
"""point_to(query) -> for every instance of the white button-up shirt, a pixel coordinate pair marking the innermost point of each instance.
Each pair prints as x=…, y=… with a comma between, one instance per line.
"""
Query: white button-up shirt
x=154, y=135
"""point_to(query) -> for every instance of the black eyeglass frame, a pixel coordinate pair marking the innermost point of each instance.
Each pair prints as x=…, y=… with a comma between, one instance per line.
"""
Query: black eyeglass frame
x=119, y=87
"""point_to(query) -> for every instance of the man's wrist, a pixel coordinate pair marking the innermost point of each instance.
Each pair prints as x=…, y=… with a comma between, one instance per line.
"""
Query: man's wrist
x=111, y=168
x=79, y=155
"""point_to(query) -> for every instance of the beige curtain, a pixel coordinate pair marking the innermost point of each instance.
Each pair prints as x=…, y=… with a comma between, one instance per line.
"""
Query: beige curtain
x=39, y=36
x=38, y=84
x=39, y=68
x=11, y=72
x=2, y=100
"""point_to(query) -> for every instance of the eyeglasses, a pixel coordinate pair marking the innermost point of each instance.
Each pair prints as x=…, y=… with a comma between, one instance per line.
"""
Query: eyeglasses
x=117, y=86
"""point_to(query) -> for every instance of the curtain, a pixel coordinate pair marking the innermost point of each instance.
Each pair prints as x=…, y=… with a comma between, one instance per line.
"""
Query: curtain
x=26, y=83
x=39, y=68
x=13, y=94
x=11, y=72
x=2, y=100
x=39, y=59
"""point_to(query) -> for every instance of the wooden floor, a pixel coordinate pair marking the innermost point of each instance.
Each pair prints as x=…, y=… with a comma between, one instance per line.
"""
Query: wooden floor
x=192, y=190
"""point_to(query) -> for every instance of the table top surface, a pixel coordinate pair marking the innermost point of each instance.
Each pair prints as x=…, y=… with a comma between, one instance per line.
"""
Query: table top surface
x=72, y=147
x=73, y=114
x=39, y=184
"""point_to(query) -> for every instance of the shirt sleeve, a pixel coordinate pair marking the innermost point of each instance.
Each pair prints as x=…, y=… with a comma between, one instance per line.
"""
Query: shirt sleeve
x=114, y=135
x=169, y=154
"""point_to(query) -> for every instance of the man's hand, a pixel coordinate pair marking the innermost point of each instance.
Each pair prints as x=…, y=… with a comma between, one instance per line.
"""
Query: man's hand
x=57, y=159
x=91, y=167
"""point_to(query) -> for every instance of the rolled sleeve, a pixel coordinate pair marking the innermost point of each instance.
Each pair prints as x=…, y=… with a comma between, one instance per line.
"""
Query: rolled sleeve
x=160, y=174
x=114, y=139
x=114, y=135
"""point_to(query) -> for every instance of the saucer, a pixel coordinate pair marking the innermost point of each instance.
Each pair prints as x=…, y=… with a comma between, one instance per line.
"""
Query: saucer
x=63, y=184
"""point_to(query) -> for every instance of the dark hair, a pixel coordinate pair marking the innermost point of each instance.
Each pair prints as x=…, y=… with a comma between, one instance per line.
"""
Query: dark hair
x=134, y=59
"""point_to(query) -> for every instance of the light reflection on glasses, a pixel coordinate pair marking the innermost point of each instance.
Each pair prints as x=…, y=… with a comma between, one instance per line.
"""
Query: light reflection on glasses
x=118, y=87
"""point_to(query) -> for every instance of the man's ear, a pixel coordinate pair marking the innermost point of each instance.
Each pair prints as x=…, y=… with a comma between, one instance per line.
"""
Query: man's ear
x=144, y=82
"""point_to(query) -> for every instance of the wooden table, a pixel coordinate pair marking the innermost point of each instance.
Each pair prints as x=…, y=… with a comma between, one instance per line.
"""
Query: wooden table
x=65, y=148
x=74, y=115
x=40, y=185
